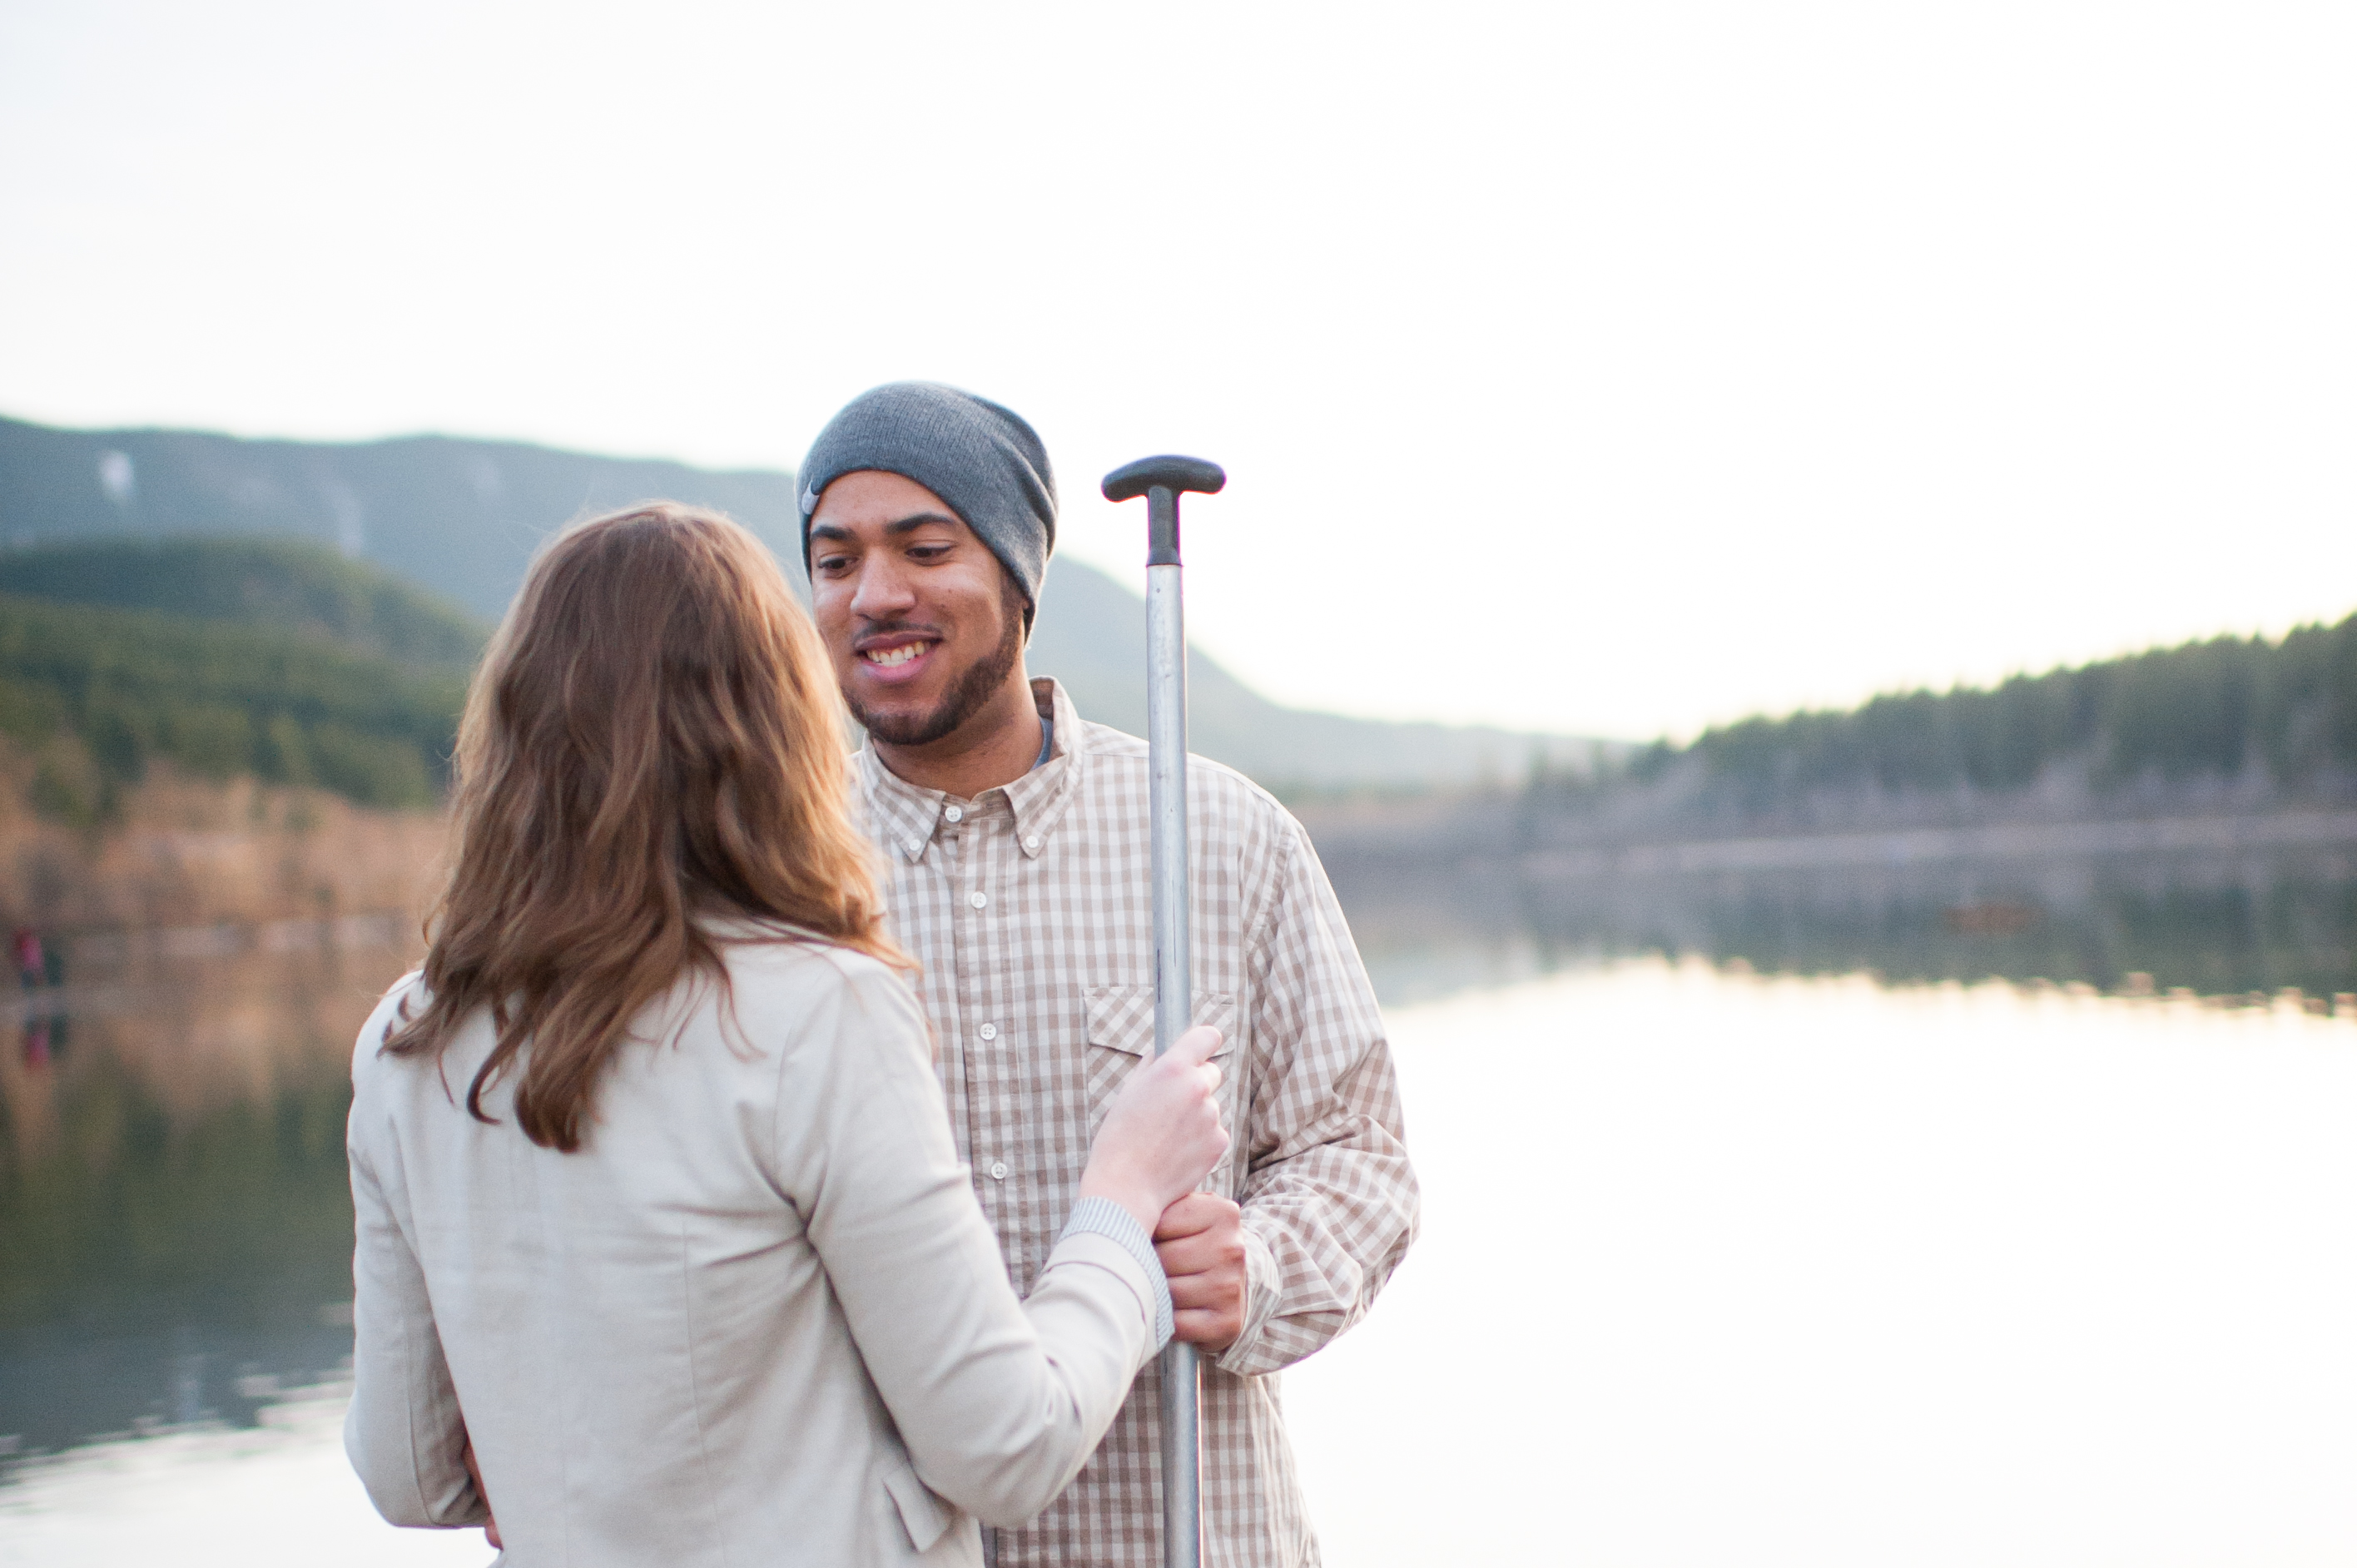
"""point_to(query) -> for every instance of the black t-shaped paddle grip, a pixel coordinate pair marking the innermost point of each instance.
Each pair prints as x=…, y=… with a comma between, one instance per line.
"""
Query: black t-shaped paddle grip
x=1161, y=480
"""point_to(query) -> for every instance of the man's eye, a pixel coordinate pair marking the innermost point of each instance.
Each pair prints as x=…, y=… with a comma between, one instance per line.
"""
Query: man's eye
x=929, y=551
x=832, y=563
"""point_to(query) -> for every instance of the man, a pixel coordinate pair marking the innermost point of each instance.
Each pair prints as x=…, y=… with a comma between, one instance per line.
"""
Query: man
x=1016, y=837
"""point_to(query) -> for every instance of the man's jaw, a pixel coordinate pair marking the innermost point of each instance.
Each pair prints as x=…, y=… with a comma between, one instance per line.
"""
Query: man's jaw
x=885, y=685
x=884, y=696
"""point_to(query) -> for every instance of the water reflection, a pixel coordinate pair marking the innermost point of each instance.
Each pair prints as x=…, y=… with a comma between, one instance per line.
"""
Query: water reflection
x=175, y=1227
x=1814, y=1272
x=2247, y=926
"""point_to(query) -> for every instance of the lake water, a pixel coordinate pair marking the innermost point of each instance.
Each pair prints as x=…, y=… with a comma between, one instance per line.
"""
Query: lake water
x=1720, y=1267
x=1732, y=1271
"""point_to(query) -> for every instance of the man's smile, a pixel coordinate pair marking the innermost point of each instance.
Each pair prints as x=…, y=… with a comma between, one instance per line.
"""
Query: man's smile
x=896, y=655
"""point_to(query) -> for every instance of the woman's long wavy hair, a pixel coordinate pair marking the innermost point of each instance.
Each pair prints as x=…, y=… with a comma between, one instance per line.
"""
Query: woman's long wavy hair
x=655, y=736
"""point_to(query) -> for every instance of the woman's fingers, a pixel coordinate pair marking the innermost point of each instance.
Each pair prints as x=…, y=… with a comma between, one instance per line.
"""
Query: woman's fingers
x=1192, y=1118
x=1197, y=1044
x=1193, y=1049
x=1164, y=1131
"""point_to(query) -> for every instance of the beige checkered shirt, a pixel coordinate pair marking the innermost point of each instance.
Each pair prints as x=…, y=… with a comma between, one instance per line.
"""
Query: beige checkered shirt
x=1030, y=909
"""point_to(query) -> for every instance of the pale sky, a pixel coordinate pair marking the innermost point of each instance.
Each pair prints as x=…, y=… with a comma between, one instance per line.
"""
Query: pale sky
x=1614, y=368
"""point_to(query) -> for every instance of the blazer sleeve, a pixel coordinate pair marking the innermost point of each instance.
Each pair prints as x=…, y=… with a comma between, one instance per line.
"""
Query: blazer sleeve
x=403, y=1433
x=1000, y=1401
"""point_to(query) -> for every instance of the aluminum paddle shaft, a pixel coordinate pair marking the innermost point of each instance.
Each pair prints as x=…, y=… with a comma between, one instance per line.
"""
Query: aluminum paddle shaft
x=1161, y=480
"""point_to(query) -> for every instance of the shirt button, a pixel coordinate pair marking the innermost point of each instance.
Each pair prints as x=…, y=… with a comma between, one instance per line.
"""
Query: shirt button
x=998, y=1170
x=916, y=845
x=955, y=814
x=979, y=900
x=1031, y=842
x=988, y=1031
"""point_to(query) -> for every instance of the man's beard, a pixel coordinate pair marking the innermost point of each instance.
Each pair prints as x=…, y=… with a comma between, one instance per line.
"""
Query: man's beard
x=966, y=696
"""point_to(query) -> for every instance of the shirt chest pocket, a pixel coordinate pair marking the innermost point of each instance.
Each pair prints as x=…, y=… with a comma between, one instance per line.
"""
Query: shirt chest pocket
x=1121, y=1034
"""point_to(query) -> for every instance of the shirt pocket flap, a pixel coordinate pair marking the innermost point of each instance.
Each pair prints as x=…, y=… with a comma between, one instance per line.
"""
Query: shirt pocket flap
x=1121, y=1017
x=924, y=1515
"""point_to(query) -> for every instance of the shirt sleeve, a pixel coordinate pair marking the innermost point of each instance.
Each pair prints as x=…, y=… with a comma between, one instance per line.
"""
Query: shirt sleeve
x=1330, y=1199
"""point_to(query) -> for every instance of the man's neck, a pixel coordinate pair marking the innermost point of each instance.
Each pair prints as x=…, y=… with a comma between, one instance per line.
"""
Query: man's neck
x=996, y=745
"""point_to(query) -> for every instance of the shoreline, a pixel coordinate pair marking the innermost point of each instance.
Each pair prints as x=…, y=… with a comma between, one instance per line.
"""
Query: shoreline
x=1495, y=834
x=1995, y=842
x=194, y=868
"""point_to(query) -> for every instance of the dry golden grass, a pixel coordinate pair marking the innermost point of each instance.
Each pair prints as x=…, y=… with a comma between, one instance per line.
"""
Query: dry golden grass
x=182, y=852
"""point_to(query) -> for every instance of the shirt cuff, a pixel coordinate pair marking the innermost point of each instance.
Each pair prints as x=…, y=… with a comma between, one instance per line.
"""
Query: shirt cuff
x=1261, y=1298
x=1104, y=1217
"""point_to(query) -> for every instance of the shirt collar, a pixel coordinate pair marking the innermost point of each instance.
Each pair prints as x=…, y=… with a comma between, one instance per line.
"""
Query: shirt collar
x=906, y=817
x=1039, y=796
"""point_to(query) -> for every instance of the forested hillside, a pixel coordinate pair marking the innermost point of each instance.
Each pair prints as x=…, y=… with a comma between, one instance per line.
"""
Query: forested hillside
x=2230, y=722
x=288, y=584
x=277, y=660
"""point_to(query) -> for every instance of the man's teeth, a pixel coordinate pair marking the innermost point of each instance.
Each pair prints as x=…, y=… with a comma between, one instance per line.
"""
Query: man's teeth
x=889, y=657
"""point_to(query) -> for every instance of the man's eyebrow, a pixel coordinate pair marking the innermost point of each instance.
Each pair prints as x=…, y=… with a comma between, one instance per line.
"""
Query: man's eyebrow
x=836, y=532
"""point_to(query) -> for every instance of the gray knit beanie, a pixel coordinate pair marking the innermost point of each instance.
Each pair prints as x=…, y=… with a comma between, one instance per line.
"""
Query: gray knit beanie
x=981, y=459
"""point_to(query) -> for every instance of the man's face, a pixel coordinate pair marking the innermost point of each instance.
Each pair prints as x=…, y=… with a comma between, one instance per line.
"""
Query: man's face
x=923, y=623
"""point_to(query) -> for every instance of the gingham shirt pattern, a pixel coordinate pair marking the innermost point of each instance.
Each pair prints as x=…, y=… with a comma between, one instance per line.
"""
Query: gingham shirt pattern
x=1031, y=911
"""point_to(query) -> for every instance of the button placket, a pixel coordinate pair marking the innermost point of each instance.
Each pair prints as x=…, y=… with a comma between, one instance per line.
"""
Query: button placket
x=950, y=861
x=978, y=986
x=990, y=834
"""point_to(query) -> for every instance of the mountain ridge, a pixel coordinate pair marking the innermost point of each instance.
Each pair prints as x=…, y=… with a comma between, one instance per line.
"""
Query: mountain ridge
x=460, y=517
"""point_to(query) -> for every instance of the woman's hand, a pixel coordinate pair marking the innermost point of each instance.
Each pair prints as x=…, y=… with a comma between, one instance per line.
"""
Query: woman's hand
x=1163, y=1133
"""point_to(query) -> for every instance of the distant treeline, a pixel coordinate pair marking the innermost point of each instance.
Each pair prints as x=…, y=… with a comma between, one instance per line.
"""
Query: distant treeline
x=278, y=661
x=2217, y=709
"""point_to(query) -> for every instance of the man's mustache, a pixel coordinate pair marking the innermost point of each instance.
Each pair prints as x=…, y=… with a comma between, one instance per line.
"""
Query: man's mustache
x=897, y=628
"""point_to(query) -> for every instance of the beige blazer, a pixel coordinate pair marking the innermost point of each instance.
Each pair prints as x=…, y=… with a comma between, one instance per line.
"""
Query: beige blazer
x=759, y=1318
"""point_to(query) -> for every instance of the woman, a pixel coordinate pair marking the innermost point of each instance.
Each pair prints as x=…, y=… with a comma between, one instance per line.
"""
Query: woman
x=658, y=1205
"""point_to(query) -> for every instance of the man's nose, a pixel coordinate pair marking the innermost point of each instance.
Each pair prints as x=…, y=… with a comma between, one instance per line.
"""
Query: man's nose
x=884, y=592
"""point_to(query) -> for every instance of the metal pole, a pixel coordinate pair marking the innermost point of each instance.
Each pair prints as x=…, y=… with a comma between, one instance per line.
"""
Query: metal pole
x=1161, y=480
x=1166, y=737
